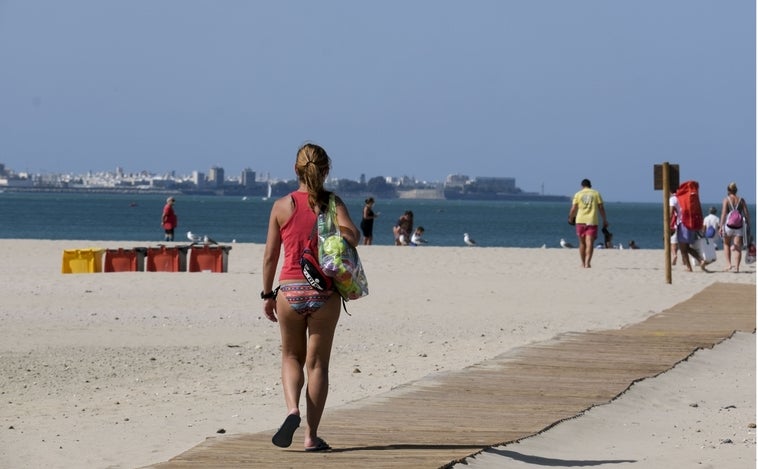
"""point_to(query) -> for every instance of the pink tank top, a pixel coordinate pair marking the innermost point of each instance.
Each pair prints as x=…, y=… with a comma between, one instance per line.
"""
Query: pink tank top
x=295, y=233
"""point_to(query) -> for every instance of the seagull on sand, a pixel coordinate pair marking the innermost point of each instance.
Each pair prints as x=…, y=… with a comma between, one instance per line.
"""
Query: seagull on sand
x=193, y=237
x=467, y=239
x=565, y=244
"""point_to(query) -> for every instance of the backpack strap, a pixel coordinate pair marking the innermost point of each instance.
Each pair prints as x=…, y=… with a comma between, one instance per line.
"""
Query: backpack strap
x=344, y=304
x=737, y=206
x=314, y=231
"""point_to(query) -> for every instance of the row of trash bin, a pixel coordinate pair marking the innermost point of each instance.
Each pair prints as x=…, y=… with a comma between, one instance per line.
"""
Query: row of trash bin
x=187, y=258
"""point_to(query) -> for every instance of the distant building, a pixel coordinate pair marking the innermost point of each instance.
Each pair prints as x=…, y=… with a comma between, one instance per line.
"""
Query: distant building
x=198, y=179
x=456, y=180
x=458, y=186
x=483, y=184
x=216, y=177
x=495, y=184
x=248, y=178
x=161, y=183
x=12, y=181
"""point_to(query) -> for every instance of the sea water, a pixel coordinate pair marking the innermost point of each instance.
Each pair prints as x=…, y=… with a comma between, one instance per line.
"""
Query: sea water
x=137, y=218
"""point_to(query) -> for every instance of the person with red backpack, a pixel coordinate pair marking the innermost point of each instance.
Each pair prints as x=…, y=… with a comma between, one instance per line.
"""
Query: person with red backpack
x=687, y=217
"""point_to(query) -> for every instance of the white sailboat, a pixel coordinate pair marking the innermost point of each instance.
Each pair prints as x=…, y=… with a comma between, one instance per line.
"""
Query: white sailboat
x=268, y=194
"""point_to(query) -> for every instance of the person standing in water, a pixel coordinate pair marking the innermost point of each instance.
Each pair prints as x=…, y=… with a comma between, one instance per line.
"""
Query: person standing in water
x=367, y=221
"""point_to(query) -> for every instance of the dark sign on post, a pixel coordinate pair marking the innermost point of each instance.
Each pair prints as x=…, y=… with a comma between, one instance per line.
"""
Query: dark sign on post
x=658, y=176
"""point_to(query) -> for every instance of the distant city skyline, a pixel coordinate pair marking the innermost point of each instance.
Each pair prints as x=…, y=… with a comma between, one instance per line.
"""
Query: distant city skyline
x=546, y=92
x=209, y=174
x=261, y=176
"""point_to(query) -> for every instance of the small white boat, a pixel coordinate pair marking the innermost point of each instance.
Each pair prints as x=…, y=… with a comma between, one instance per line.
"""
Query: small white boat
x=268, y=193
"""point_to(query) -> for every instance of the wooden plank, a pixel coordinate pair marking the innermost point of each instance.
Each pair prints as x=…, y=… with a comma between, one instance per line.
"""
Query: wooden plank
x=444, y=418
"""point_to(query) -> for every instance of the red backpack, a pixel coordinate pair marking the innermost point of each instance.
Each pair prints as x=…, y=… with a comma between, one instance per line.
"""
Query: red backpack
x=690, y=212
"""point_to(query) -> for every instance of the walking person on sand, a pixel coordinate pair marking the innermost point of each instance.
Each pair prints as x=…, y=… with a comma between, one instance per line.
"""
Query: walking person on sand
x=307, y=317
x=733, y=235
x=685, y=237
x=585, y=208
x=711, y=224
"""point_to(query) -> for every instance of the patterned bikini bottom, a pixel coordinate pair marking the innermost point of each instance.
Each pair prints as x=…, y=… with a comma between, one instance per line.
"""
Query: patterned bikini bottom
x=303, y=298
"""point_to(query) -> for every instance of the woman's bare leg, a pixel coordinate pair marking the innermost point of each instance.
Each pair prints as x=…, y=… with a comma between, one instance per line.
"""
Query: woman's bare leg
x=728, y=252
x=737, y=252
x=293, y=328
x=321, y=327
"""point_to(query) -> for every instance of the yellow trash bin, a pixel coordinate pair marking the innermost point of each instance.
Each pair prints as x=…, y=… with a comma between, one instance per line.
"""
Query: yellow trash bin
x=82, y=261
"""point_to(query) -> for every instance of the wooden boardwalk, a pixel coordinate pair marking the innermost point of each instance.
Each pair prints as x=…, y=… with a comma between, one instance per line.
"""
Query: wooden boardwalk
x=444, y=418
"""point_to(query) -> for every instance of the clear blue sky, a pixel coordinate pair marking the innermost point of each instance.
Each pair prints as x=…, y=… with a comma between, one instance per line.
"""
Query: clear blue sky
x=548, y=92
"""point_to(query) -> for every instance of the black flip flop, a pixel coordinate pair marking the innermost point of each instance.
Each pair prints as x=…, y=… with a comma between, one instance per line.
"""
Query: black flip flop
x=283, y=437
x=321, y=445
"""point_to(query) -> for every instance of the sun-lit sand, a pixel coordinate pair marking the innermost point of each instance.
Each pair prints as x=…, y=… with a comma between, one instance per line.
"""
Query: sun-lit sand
x=127, y=369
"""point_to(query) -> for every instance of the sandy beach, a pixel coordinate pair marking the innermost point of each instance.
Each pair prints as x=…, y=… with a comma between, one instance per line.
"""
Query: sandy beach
x=121, y=370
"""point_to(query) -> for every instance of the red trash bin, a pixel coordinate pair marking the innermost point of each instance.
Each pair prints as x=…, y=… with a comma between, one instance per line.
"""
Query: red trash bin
x=120, y=260
x=204, y=258
x=167, y=259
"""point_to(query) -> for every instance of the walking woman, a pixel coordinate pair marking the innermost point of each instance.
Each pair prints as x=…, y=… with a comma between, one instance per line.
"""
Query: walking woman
x=307, y=317
x=732, y=233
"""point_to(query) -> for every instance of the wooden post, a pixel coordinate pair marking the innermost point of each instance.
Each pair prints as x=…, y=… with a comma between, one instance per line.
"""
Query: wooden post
x=666, y=220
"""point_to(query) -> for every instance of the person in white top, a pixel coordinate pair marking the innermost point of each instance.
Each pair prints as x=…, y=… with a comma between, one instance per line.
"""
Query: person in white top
x=711, y=224
x=418, y=237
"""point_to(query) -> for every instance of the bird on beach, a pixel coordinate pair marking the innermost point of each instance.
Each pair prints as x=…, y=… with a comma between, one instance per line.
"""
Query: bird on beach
x=208, y=240
x=193, y=237
x=467, y=239
x=565, y=244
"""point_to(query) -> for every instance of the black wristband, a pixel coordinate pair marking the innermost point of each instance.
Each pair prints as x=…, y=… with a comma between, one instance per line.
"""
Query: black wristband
x=269, y=295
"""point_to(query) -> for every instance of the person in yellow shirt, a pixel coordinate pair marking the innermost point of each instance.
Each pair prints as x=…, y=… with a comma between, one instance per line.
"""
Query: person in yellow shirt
x=585, y=208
